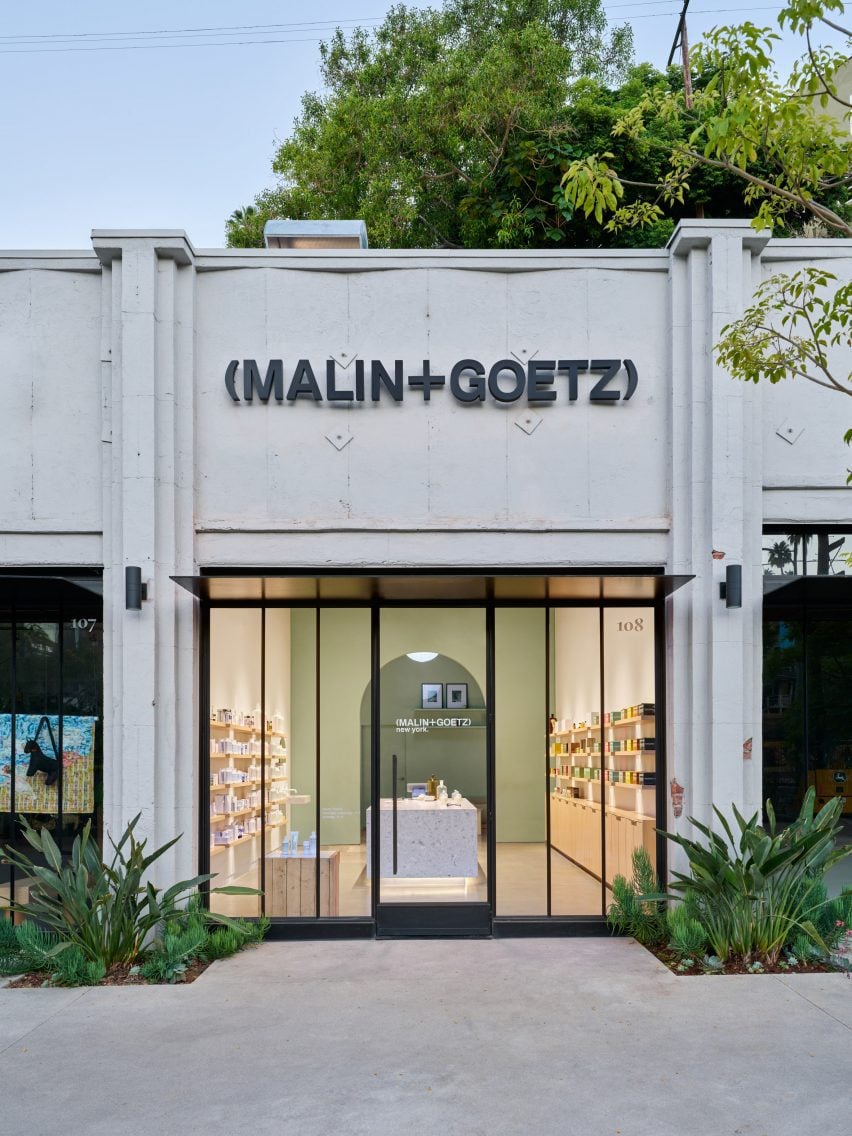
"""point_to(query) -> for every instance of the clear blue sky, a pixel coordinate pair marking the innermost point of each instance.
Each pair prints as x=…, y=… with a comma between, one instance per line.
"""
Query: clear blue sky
x=179, y=136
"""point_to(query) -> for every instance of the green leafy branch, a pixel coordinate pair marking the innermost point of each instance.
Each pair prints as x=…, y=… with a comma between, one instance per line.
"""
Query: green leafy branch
x=767, y=340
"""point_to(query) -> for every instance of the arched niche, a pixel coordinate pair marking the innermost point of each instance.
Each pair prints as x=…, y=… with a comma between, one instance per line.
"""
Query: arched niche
x=456, y=754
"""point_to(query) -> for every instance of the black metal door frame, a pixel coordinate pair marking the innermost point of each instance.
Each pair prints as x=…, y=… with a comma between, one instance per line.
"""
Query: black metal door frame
x=443, y=920
x=432, y=919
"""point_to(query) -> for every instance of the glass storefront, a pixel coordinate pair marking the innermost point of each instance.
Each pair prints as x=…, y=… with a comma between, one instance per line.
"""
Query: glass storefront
x=807, y=667
x=430, y=767
x=807, y=710
x=51, y=736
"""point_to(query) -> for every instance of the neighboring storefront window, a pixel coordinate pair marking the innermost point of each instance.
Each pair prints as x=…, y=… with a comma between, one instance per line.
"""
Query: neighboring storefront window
x=807, y=667
x=51, y=718
x=784, y=712
x=799, y=551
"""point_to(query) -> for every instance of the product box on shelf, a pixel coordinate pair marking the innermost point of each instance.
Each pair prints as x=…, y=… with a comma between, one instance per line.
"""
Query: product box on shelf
x=231, y=776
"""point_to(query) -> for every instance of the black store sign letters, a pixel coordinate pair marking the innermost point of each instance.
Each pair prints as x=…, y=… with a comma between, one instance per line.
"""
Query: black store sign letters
x=541, y=380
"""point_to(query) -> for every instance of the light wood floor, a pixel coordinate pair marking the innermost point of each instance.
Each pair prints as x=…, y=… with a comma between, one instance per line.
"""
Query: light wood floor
x=521, y=885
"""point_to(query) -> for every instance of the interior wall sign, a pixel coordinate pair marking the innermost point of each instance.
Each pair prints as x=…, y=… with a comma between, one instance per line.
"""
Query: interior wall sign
x=540, y=380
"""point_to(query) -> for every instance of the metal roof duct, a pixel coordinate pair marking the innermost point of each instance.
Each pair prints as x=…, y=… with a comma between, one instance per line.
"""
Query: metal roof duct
x=315, y=235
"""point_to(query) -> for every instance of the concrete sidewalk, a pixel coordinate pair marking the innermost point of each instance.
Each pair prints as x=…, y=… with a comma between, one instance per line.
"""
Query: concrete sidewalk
x=571, y=1037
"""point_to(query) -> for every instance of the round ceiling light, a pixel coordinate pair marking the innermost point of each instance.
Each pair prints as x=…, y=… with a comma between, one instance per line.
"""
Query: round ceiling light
x=422, y=656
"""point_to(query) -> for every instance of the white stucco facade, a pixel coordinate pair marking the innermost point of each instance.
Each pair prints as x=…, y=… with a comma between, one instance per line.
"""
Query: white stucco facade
x=122, y=446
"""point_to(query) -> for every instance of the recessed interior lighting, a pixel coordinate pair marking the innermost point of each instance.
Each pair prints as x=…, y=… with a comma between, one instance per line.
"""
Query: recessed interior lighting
x=422, y=656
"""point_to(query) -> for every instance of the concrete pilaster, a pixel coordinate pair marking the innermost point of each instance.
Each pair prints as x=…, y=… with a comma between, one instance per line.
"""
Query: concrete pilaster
x=714, y=663
x=149, y=687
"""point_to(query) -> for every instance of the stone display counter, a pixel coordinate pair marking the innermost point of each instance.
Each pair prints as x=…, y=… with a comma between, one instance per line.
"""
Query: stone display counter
x=434, y=840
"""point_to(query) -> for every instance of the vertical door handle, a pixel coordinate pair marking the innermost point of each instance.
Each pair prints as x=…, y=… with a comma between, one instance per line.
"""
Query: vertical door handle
x=394, y=765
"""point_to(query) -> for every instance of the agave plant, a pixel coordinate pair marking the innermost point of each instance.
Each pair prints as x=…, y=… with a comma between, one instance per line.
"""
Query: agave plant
x=109, y=911
x=759, y=889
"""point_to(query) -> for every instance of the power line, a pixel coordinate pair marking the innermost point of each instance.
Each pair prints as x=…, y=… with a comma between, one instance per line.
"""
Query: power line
x=217, y=29
x=59, y=45
x=637, y=4
x=703, y=12
x=149, y=46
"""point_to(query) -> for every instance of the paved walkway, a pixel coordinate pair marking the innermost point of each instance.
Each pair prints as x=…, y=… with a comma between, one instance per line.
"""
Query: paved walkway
x=565, y=1037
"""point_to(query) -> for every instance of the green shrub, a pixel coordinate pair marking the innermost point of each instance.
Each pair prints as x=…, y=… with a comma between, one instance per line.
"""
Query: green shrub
x=189, y=937
x=9, y=952
x=755, y=893
x=687, y=937
x=222, y=943
x=638, y=909
x=110, y=911
x=170, y=956
x=256, y=930
x=835, y=918
x=72, y=968
x=36, y=949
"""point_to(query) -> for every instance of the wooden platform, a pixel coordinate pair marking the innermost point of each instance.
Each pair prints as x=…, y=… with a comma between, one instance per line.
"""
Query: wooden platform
x=291, y=884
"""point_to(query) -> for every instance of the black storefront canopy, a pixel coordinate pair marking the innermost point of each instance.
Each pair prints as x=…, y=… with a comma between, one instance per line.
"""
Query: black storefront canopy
x=816, y=591
x=397, y=586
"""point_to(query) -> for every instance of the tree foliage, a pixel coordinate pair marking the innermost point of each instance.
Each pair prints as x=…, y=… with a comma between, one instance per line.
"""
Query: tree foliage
x=454, y=128
x=417, y=117
x=792, y=158
x=794, y=161
x=793, y=322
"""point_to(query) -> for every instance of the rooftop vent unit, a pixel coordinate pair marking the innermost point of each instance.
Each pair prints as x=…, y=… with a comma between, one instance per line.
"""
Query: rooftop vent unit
x=315, y=235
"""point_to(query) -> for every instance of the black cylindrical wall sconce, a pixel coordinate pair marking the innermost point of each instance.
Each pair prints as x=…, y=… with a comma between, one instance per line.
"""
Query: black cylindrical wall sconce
x=732, y=589
x=134, y=590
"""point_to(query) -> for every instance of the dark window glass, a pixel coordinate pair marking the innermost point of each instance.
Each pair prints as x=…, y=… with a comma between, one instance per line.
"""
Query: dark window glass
x=797, y=551
x=51, y=716
x=783, y=713
x=829, y=673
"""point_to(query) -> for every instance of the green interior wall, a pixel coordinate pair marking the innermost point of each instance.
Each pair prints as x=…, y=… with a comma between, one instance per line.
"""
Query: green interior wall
x=521, y=722
x=458, y=635
x=303, y=731
x=345, y=674
x=456, y=754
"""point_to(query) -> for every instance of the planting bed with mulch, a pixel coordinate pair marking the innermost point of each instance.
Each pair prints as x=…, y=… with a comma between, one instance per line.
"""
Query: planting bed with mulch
x=116, y=976
x=673, y=961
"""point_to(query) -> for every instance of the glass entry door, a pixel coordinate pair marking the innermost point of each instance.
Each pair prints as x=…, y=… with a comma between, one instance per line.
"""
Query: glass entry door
x=432, y=792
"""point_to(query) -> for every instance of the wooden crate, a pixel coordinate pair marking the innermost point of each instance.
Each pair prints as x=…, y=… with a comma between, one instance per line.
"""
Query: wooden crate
x=291, y=884
x=22, y=895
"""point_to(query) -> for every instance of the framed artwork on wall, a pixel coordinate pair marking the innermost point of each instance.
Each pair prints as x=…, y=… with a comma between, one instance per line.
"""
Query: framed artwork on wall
x=457, y=696
x=432, y=696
